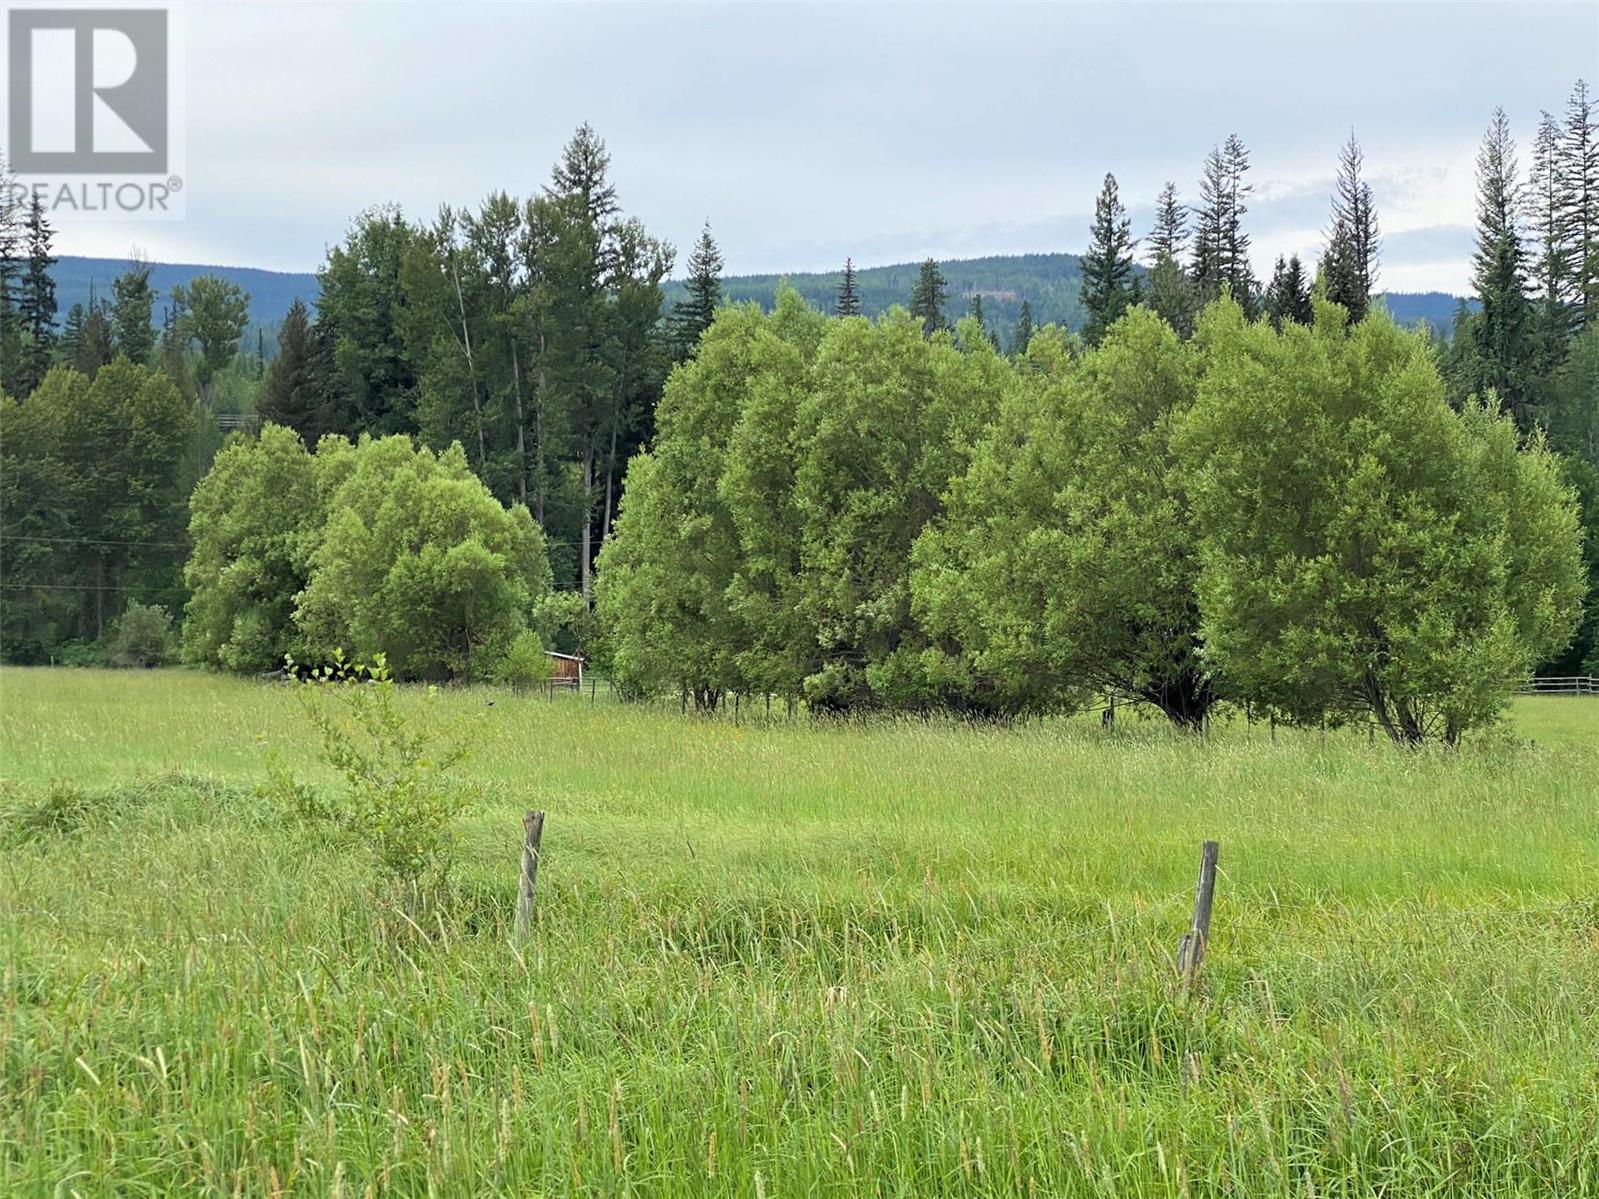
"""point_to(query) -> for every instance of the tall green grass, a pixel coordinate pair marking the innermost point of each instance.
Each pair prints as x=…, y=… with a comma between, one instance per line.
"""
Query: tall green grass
x=902, y=958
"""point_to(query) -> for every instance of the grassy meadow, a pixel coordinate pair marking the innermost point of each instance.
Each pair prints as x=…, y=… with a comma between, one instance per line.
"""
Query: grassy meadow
x=776, y=959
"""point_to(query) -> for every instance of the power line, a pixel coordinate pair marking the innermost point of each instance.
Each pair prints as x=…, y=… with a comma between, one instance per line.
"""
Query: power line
x=174, y=545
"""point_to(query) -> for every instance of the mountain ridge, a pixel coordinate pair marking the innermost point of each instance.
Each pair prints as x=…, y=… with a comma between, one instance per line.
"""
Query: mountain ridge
x=1049, y=282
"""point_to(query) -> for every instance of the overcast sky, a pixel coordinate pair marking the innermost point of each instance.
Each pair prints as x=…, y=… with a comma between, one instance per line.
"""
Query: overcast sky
x=888, y=133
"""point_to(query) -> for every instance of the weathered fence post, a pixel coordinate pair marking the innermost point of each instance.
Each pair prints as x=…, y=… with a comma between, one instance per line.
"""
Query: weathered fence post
x=532, y=834
x=1191, y=952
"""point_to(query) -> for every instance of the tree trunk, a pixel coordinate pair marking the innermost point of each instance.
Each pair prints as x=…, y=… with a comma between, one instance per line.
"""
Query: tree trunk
x=538, y=442
x=521, y=425
x=471, y=367
x=588, y=509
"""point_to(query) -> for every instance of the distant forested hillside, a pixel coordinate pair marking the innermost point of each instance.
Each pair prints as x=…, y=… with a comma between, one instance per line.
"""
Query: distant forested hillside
x=1436, y=308
x=1051, y=283
x=271, y=292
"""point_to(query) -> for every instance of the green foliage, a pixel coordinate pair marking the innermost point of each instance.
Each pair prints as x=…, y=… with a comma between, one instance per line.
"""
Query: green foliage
x=293, y=394
x=525, y=664
x=1366, y=551
x=142, y=636
x=693, y=315
x=1064, y=569
x=929, y=297
x=131, y=310
x=91, y=503
x=400, y=796
x=1108, y=279
x=255, y=518
x=665, y=571
x=30, y=815
x=1349, y=270
x=212, y=314
x=419, y=562
x=887, y=420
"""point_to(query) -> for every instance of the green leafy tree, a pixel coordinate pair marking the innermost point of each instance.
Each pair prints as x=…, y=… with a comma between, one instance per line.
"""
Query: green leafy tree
x=1108, y=265
x=664, y=575
x=1064, y=570
x=889, y=420
x=214, y=313
x=1367, y=552
x=777, y=647
x=254, y=520
x=419, y=562
x=929, y=298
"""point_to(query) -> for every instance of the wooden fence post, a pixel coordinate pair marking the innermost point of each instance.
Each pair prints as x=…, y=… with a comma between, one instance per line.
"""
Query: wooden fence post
x=532, y=834
x=1191, y=952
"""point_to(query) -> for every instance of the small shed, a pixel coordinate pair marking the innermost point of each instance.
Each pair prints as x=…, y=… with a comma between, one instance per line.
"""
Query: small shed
x=568, y=669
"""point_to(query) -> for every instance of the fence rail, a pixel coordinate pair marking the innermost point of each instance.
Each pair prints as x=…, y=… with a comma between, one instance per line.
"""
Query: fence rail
x=1576, y=684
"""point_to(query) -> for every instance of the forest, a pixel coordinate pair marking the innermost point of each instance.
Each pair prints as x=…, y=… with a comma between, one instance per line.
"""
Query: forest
x=493, y=428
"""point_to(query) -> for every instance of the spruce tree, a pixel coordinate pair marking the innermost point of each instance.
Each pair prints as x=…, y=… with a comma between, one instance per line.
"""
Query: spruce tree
x=1288, y=295
x=1024, y=330
x=96, y=345
x=71, y=340
x=133, y=300
x=1501, y=328
x=692, y=316
x=1108, y=264
x=1221, y=247
x=927, y=301
x=1237, y=272
x=849, y=299
x=1577, y=171
x=1169, y=237
x=11, y=265
x=1350, y=264
x=36, y=302
x=292, y=394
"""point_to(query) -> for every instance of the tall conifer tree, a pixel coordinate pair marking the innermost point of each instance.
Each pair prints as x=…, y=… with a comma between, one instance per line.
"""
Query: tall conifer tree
x=1504, y=351
x=1349, y=268
x=133, y=301
x=692, y=316
x=1577, y=171
x=1108, y=265
x=1024, y=329
x=927, y=301
x=849, y=298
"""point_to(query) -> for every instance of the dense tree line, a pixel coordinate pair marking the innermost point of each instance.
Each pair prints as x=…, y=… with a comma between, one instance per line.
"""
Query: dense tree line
x=527, y=331
x=862, y=516
x=812, y=511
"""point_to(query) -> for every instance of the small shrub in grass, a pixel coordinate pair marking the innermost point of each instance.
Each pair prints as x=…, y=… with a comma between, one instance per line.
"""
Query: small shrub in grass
x=525, y=665
x=60, y=809
x=400, y=796
x=142, y=637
